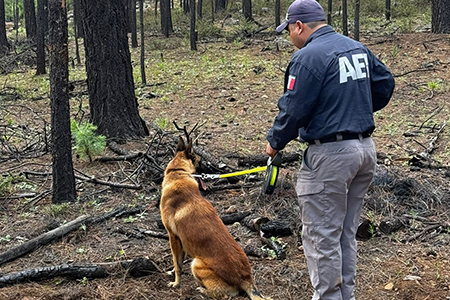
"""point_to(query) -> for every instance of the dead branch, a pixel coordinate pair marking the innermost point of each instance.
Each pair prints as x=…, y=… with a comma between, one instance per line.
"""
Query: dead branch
x=416, y=70
x=136, y=268
x=107, y=183
x=41, y=240
x=127, y=157
x=232, y=218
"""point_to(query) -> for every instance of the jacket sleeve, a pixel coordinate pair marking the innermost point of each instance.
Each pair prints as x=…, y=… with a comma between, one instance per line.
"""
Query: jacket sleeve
x=294, y=106
x=382, y=84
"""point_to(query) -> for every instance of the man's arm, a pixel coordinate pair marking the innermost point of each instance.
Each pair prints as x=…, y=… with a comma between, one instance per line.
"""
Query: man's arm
x=382, y=84
x=294, y=106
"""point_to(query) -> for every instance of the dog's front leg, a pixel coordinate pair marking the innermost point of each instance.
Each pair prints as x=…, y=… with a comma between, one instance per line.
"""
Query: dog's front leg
x=177, y=256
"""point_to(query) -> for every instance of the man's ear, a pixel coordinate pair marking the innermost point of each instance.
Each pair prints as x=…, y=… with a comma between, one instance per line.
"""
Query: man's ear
x=181, y=146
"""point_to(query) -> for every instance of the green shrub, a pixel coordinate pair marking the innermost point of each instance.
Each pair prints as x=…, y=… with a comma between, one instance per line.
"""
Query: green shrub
x=87, y=142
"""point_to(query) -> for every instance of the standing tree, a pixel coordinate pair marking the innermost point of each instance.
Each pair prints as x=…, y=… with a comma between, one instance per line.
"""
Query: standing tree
x=142, y=60
x=133, y=27
x=344, y=18
x=200, y=9
x=112, y=101
x=166, y=17
x=357, y=8
x=388, y=10
x=330, y=11
x=440, y=16
x=30, y=18
x=247, y=9
x=63, y=177
x=40, y=47
x=277, y=13
x=193, y=33
x=4, y=45
x=220, y=5
x=77, y=28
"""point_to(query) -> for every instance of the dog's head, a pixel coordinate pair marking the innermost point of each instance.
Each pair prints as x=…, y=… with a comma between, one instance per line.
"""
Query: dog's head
x=185, y=158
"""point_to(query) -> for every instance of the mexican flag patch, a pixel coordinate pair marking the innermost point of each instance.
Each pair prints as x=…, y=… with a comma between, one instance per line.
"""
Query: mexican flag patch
x=291, y=82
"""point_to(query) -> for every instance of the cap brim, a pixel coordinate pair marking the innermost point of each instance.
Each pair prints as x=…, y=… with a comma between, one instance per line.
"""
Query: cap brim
x=283, y=26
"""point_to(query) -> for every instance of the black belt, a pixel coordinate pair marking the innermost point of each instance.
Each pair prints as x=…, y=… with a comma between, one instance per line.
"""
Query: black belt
x=340, y=137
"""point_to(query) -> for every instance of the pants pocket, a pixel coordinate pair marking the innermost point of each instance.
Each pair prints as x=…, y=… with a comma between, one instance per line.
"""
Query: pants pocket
x=313, y=204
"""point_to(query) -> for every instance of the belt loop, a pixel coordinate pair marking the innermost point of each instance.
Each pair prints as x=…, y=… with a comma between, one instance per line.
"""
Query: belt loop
x=339, y=137
x=360, y=137
x=317, y=142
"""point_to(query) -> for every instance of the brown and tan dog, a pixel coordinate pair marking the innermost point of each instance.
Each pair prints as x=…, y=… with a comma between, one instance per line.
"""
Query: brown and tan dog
x=195, y=229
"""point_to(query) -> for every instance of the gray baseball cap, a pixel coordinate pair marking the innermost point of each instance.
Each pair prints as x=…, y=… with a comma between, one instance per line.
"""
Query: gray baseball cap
x=304, y=11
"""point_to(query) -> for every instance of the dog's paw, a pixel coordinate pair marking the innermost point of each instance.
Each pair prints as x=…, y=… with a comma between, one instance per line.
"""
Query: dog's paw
x=201, y=290
x=171, y=272
x=173, y=284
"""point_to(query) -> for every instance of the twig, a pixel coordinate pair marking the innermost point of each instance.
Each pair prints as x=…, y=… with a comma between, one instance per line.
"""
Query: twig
x=416, y=70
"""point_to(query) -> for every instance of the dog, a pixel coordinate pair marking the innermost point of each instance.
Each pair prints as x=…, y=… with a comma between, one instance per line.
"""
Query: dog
x=195, y=229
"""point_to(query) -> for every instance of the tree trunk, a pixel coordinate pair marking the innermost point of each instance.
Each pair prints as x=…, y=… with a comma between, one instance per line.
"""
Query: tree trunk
x=330, y=11
x=142, y=60
x=357, y=7
x=212, y=11
x=193, y=33
x=4, y=45
x=112, y=101
x=220, y=5
x=134, y=42
x=388, y=10
x=247, y=9
x=440, y=16
x=63, y=177
x=30, y=18
x=40, y=47
x=200, y=9
x=166, y=17
x=344, y=18
x=77, y=28
x=277, y=13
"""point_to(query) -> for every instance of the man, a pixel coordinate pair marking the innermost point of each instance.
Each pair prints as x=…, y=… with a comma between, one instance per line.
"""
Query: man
x=333, y=85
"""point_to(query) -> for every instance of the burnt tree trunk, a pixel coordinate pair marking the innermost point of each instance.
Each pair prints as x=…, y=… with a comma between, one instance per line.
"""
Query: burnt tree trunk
x=132, y=8
x=4, y=45
x=193, y=33
x=220, y=5
x=112, y=101
x=200, y=9
x=440, y=16
x=40, y=47
x=142, y=58
x=330, y=11
x=63, y=177
x=357, y=8
x=166, y=17
x=30, y=18
x=344, y=18
x=77, y=28
x=388, y=10
x=277, y=12
x=247, y=9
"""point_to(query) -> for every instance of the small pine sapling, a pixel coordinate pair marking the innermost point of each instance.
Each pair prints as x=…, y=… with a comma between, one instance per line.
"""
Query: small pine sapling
x=87, y=142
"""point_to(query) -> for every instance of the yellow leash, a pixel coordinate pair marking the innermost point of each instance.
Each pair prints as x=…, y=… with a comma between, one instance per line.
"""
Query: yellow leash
x=238, y=173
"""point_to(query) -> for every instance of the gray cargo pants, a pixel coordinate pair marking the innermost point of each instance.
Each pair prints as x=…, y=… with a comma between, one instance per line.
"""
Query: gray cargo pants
x=333, y=179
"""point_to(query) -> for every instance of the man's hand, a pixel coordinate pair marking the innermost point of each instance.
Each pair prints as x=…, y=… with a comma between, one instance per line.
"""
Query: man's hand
x=270, y=151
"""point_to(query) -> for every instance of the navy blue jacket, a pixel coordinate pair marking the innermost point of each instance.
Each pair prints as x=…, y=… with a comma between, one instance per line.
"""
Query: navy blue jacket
x=333, y=84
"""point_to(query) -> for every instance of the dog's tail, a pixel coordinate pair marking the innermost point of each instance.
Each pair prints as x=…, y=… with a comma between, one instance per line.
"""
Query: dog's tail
x=252, y=292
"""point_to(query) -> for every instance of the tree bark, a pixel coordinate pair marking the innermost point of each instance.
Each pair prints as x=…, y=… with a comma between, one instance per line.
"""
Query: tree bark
x=62, y=165
x=112, y=101
x=200, y=9
x=344, y=18
x=330, y=11
x=134, y=42
x=357, y=8
x=43, y=239
x=388, y=10
x=40, y=47
x=193, y=33
x=166, y=17
x=247, y=9
x=277, y=12
x=4, y=45
x=30, y=18
x=440, y=16
x=142, y=58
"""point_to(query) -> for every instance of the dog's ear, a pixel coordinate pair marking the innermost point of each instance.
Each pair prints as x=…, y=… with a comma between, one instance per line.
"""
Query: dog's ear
x=189, y=152
x=181, y=146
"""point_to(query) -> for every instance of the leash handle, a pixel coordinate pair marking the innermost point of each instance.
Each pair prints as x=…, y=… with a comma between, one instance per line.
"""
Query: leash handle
x=276, y=160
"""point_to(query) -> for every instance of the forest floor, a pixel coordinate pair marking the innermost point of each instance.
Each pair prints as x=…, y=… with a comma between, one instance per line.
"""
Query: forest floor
x=232, y=89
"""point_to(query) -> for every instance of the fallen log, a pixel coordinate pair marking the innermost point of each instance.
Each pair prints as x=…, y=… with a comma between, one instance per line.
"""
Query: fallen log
x=232, y=218
x=41, y=240
x=254, y=222
x=276, y=228
x=277, y=247
x=136, y=268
